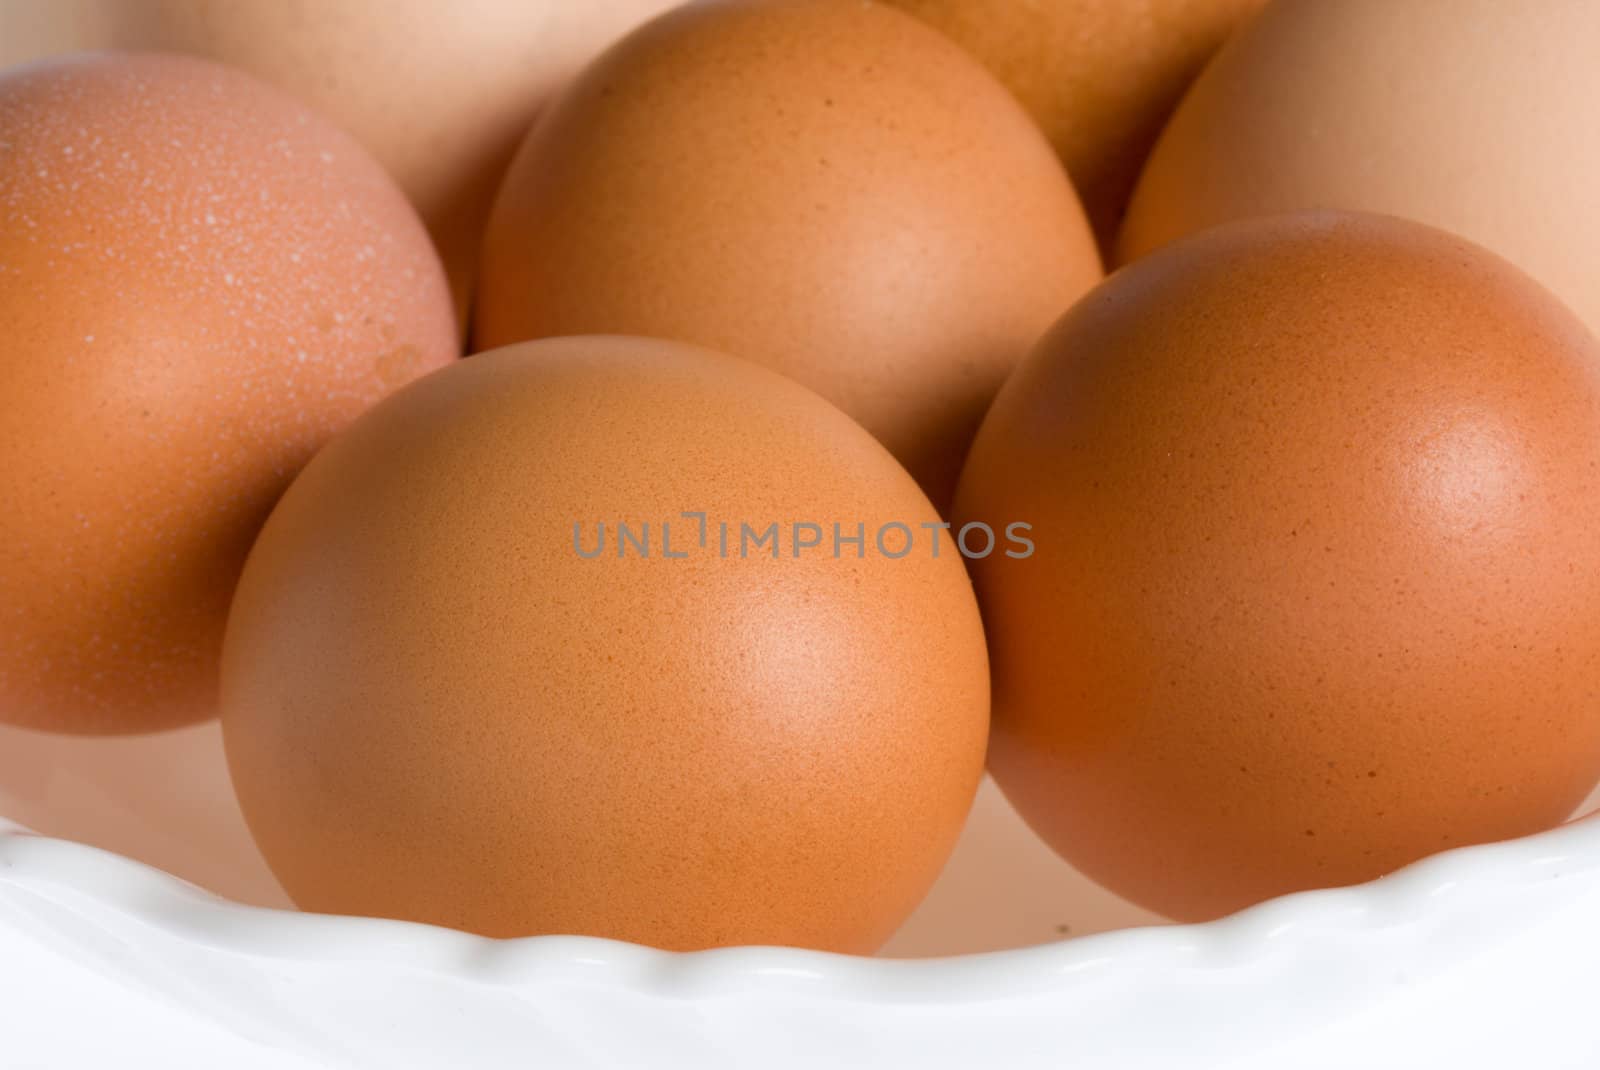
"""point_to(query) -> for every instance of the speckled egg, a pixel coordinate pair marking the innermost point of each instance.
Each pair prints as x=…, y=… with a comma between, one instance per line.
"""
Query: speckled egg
x=439, y=93
x=614, y=637
x=200, y=281
x=1315, y=591
x=827, y=187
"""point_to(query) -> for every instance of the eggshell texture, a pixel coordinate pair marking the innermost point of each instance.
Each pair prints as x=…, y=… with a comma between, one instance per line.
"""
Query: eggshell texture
x=200, y=282
x=1473, y=115
x=436, y=709
x=1100, y=76
x=1316, y=590
x=439, y=93
x=827, y=187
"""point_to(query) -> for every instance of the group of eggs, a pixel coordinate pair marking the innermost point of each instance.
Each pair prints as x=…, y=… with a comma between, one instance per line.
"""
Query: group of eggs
x=638, y=622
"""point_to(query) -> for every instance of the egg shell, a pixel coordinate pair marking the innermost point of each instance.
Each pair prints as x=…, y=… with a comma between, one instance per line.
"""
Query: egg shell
x=1316, y=590
x=827, y=187
x=1101, y=77
x=1472, y=115
x=440, y=93
x=200, y=281
x=436, y=708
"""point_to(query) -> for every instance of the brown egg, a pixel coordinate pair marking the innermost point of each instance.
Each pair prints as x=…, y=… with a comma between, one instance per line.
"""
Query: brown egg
x=1477, y=116
x=449, y=695
x=200, y=281
x=824, y=186
x=30, y=30
x=1101, y=76
x=1315, y=590
x=439, y=93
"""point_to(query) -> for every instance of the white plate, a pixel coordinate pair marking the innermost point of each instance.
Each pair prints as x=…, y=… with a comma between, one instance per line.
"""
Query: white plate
x=1481, y=957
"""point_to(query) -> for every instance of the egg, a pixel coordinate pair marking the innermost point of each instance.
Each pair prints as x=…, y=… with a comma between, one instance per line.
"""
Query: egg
x=200, y=281
x=1471, y=115
x=608, y=636
x=1314, y=590
x=440, y=94
x=35, y=31
x=1100, y=76
x=827, y=187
